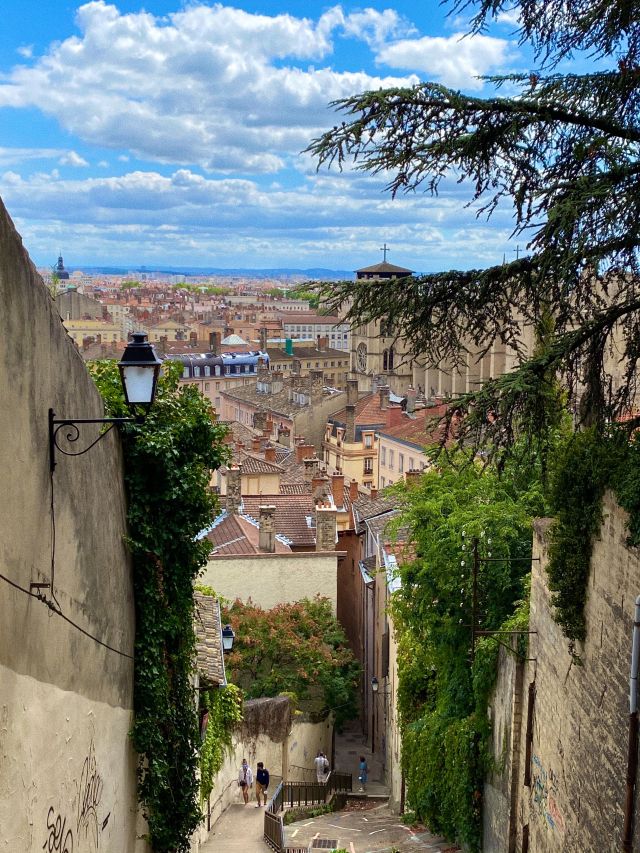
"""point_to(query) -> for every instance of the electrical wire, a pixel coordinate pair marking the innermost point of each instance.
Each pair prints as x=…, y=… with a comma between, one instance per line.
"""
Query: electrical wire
x=55, y=609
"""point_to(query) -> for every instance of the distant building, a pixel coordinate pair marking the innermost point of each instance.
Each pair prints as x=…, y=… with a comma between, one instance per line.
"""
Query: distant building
x=376, y=353
x=60, y=271
x=312, y=325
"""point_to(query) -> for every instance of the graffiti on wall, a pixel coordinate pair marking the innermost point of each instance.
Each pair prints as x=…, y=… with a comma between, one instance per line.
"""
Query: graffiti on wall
x=89, y=825
x=544, y=793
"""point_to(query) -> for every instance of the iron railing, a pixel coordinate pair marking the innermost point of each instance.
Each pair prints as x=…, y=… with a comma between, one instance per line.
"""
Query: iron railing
x=297, y=794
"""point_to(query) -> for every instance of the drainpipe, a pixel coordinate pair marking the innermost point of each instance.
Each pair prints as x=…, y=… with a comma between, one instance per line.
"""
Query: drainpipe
x=632, y=758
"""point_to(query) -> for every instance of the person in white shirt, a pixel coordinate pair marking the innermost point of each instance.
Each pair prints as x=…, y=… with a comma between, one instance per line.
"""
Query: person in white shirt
x=319, y=765
x=245, y=780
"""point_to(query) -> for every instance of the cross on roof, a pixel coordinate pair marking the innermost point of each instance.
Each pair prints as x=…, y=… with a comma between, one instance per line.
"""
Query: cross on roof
x=384, y=249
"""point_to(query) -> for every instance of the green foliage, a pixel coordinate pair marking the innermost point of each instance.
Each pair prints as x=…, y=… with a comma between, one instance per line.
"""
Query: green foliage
x=295, y=648
x=276, y=292
x=168, y=462
x=562, y=153
x=308, y=291
x=129, y=284
x=215, y=290
x=225, y=713
x=443, y=696
x=293, y=815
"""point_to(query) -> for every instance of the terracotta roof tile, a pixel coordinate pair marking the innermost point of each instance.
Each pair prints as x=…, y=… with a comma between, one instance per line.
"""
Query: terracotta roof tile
x=368, y=412
x=421, y=429
x=290, y=517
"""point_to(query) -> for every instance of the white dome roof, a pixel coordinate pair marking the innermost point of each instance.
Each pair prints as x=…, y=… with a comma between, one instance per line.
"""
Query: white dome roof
x=233, y=340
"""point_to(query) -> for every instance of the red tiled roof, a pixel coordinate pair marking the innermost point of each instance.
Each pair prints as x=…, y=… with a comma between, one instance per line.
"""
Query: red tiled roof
x=421, y=429
x=368, y=411
x=295, y=488
x=237, y=535
x=290, y=516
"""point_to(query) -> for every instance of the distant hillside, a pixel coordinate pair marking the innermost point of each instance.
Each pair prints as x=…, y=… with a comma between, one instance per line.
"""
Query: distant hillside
x=280, y=272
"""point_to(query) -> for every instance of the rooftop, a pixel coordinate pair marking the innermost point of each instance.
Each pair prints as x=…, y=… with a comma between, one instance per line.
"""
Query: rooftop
x=420, y=429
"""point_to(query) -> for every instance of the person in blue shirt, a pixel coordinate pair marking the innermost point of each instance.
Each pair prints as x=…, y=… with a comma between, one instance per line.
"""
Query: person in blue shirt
x=363, y=770
x=262, y=783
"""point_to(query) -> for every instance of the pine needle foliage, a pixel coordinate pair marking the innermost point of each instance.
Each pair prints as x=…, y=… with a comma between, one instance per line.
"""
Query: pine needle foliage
x=562, y=152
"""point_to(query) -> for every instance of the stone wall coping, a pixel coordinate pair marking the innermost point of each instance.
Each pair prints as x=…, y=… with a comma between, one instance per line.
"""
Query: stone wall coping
x=294, y=555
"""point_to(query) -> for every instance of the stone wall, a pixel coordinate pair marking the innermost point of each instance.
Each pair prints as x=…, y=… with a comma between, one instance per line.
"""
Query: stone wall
x=578, y=728
x=67, y=770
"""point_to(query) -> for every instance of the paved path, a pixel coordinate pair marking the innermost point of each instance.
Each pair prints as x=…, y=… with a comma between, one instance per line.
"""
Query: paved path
x=372, y=831
x=350, y=745
x=239, y=830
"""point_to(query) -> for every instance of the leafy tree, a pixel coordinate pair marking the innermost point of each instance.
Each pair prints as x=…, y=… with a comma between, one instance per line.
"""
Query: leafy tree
x=442, y=693
x=308, y=292
x=276, y=292
x=129, y=284
x=563, y=151
x=295, y=648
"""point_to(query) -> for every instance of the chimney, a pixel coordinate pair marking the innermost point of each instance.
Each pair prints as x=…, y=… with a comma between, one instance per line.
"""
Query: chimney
x=412, y=476
x=284, y=436
x=317, y=384
x=255, y=445
x=263, y=339
x=352, y=392
x=383, y=391
x=304, y=451
x=311, y=468
x=260, y=420
x=214, y=342
x=267, y=529
x=373, y=492
x=411, y=399
x=296, y=366
x=319, y=487
x=326, y=528
x=233, y=497
x=395, y=416
x=269, y=454
x=354, y=492
x=337, y=489
x=163, y=344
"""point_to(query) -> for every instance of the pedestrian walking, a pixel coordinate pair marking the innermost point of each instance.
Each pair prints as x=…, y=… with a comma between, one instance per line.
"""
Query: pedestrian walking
x=363, y=772
x=245, y=780
x=319, y=765
x=262, y=783
x=325, y=767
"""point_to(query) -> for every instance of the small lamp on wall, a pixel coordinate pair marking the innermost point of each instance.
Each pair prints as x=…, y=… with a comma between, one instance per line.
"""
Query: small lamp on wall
x=139, y=371
x=374, y=684
x=227, y=638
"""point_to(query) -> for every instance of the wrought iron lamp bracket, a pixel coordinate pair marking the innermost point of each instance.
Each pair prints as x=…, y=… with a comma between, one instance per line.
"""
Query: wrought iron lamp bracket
x=73, y=433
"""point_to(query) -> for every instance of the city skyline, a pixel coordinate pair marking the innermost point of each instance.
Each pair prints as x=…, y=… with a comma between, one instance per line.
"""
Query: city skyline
x=173, y=136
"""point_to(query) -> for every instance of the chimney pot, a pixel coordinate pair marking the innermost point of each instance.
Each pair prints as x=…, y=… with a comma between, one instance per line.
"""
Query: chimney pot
x=337, y=488
x=267, y=529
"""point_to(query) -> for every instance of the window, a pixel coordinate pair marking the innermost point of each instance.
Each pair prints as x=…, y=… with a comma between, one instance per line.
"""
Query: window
x=401, y=462
x=382, y=482
x=206, y=386
x=383, y=455
x=368, y=440
x=368, y=466
x=185, y=373
x=217, y=386
x=196, y=371
x=390, y=459
x=207, y=370
x=412, y=463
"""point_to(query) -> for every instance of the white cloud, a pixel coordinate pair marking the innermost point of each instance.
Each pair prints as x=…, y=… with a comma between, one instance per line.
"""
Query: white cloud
x=9, y=156
x=25, y=50
x=511, y=17
x=213, y=86
x=456, y=61
x=72, y=158
x=185, y=217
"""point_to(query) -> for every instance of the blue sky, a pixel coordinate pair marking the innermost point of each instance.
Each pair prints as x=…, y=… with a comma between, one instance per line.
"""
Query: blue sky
x=170, y=133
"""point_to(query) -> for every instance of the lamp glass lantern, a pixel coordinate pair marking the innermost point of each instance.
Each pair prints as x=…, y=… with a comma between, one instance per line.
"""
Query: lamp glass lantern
x=227, y=638
x=374, y=684
x=139, y=370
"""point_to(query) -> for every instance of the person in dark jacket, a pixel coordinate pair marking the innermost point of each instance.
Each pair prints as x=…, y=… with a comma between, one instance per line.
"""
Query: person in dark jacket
x=262, y=783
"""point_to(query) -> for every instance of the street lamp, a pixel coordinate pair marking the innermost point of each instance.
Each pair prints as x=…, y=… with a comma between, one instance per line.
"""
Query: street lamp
x=227, y=638
x=139, y=369
x=374, y=690
x=374, y=684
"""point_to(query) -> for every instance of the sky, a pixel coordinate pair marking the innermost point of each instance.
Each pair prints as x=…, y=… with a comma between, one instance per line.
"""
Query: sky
x=172, y=133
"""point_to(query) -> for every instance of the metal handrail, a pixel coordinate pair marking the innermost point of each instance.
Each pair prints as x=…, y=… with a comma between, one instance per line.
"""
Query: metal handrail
x=299, y=794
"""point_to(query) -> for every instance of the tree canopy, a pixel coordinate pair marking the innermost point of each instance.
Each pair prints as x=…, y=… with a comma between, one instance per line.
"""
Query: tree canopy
x=563, y=152
x=297, y=648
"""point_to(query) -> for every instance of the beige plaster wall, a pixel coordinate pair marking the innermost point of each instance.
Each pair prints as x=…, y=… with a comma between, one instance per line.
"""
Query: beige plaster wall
x=58, y=687
x=270, y=579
